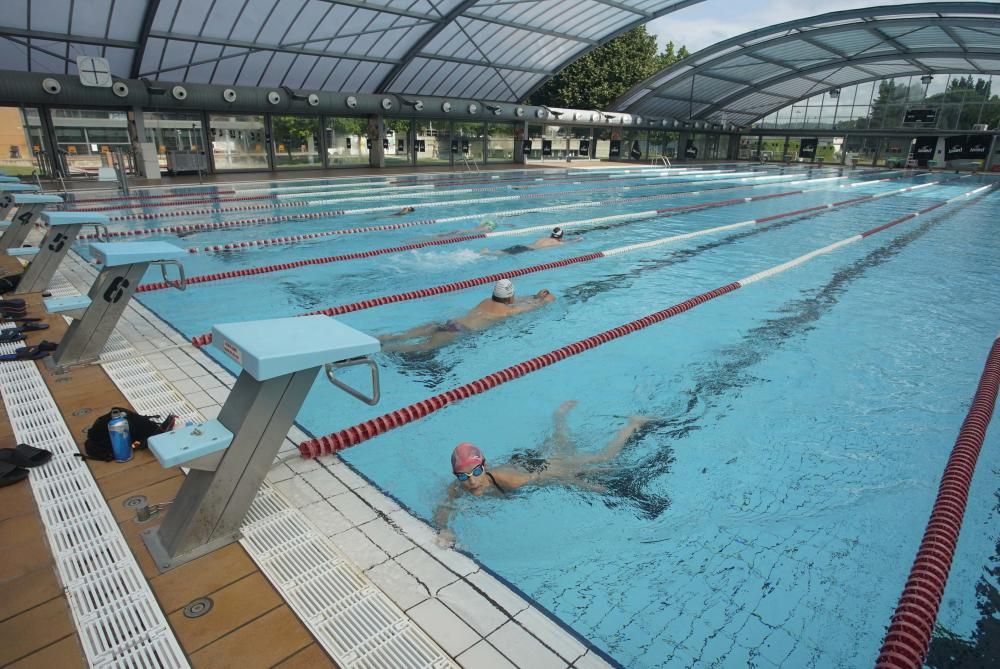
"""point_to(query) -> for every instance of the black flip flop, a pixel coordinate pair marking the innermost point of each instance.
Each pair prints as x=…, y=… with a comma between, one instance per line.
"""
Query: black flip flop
x=24, y=455
x=11, y=474
x=31, y=350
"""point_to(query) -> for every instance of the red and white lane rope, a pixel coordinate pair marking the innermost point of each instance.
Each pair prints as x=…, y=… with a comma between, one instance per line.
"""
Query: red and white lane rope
x=354, y=435
x=203, y=339
x=909, y=635
x=128, y=198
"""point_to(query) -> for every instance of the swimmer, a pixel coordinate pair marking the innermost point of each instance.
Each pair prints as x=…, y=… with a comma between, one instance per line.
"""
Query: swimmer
x=404, y=211
x=485, y=227
x=496, y=308
x=555, y=238
x=563, y=465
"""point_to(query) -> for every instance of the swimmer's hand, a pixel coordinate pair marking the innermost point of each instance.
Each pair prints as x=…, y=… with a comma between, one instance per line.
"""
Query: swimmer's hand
x=545, y=296
x=446, y=538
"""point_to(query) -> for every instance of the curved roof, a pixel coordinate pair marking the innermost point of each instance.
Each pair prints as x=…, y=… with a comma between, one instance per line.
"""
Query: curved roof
x=747, y=77
x=489, y=49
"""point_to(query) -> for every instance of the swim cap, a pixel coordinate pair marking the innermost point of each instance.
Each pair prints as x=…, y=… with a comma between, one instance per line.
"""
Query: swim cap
x=489, y=225
x=503, y=289
x=557, y=233
x=466, y=457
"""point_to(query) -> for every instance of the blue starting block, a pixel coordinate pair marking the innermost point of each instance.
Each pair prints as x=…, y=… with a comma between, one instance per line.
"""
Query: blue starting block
x=8, y=179
x=230, y=456
x=64, y=226
x=125, y=263
x=29, y=208
x=7, y=192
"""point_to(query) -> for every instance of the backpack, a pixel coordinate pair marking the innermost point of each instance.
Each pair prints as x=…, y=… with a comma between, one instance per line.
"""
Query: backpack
x=141, y=428
x=9, y=282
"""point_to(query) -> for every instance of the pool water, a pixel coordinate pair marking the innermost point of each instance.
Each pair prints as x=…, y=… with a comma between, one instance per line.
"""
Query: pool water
x=770, y=513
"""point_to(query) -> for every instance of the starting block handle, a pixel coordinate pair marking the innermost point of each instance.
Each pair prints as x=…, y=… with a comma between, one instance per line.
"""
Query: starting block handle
x=101, y=231
x=331, y=367
x=181, y=282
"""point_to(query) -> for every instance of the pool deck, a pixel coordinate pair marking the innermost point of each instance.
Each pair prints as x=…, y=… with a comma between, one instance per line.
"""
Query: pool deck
x=437, y=607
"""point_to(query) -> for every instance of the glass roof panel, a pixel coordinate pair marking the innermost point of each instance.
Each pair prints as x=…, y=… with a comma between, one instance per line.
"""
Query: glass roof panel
x=849, y=42
x=176, y=54
x=979, y=37
x=191, y=17
x=947, y=63
x=796, y=88
x=50, y=16
x=928, y=37
x=42, y=59
x=274, y=72
x=228, y=68
x=251, y=19
x=13, y=54
x=90, y=19
x=795, y=52
x=16, y=16
x=253, y=67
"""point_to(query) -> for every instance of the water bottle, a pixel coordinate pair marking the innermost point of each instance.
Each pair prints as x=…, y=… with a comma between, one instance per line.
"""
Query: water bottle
x=121, y=436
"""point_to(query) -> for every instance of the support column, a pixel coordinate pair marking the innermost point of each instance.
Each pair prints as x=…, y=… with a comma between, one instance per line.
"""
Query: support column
x=990, y=156
x=376, y=154
x=49, y=137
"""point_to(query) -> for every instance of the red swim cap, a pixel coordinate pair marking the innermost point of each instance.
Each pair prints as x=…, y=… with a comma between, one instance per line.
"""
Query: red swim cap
x=466, y=457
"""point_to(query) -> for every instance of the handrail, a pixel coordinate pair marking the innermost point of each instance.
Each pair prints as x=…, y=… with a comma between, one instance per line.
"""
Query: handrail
x=330, y=367
x=181, y=282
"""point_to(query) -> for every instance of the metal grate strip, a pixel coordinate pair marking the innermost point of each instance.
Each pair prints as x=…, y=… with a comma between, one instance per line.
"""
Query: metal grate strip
x=118, y=619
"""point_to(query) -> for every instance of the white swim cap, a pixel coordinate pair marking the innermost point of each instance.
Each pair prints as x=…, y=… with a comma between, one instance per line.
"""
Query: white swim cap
x=557, y=233
x=503, y=289
x=489, y=224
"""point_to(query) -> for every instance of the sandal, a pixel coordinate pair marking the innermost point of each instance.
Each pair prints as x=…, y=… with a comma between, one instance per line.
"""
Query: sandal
x=24, y=455
x=11, y=474
x=25, y=353
x=11, y=337
x=42, y=346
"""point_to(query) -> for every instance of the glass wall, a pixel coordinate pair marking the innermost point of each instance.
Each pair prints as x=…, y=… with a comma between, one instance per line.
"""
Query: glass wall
x=397, y=142
x=433, y=145
x=21, y=142
x=296, y=141
x=633, y=144
x=581, y=144
x=958, y=100
x=467, y=138
x=500, y=142
x=172, y=131
x=238, y=142
x=346, y=144
x=662, y=143
x=602, y=142
x=85, y=137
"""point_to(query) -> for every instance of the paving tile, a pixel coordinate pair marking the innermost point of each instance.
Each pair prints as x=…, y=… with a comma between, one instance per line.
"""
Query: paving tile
x=172, y=374
x=201, y=577
x=324, y=482
x=472, y=607
x=426, y=569
x=398, y=584
x=359, y=549
x=210, y=412
x=302, y=465
x=509, y=601
x=64, y=654
x=551, y=634
x=386, y=537
x=591, y=661
x=447, y=629
x=458, y=563
x=233, y=606
x=269, y=639
x=483, y=656
x=200, y=399
x=377, y=500
x=415, y=529
x=35, y=628
x=326, y=519
x=523, y=649
x=186, y=386
x=279, y=472
x=219, y=393
x=311, y=657
x=298, y=492
x=348, y=476
x=353, y=508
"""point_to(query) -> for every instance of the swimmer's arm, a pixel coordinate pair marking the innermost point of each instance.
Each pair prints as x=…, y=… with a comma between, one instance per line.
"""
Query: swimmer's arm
x=512, y=479
x=444, y=509
x=529, y=304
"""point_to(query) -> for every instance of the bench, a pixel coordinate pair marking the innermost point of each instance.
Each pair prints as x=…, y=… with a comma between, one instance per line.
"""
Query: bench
x=195, y=446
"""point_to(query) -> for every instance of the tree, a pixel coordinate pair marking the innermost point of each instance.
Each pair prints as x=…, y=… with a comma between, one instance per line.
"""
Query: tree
x=293, y=131
x=595, y=79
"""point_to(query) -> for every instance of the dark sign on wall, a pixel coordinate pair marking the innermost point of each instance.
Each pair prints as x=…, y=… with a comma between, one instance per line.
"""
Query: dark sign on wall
x=691, y=151
x=465, y=146
x=421, y=146
x=977, y=146
x=923, y=150
x=400, y=146
x=807, y=147
x=584, y=147
x=954, y=147
x=546, y=147
x=454, y=146
x=526, y=145
x=920, y=116
x=385, y=144
x=348, y=141
x=615, y=150
x=635, y=153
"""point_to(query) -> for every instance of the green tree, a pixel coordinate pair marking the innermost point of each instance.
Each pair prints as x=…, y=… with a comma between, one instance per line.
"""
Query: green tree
x=595, y=79
x=293, y=131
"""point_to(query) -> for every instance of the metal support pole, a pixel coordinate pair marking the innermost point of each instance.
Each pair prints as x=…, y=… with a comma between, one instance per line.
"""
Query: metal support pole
x=20, y=226
x=54, y=247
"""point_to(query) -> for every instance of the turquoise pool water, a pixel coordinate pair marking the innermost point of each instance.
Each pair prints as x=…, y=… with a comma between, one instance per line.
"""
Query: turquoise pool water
x=769, y=517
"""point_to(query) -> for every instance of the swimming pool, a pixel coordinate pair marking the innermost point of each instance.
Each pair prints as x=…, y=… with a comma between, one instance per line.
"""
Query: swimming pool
x=771, y=515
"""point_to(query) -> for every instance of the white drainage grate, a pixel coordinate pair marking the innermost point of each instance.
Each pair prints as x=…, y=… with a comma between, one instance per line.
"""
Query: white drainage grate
x=119, y=622
x=357, y=624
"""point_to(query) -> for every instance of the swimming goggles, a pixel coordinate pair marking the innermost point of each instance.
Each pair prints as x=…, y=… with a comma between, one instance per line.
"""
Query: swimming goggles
x=462, y=476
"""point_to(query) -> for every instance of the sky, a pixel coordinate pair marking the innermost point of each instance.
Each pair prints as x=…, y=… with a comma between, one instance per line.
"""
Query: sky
x=711, y=21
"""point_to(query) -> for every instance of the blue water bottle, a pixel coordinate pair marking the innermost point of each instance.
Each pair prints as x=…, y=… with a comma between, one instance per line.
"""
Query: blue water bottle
x=121, y=436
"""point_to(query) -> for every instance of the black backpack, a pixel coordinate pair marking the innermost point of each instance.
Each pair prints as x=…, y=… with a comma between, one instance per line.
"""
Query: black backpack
x=141, y=428
x=9, y=282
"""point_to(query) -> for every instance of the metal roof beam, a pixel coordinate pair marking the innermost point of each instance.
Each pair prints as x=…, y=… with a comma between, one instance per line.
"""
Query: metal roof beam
x=479, y=63
x=6, y=31
x=901, y=49
x=384, y=9
x=524, y=26
x=147, y=24
x=255, y=46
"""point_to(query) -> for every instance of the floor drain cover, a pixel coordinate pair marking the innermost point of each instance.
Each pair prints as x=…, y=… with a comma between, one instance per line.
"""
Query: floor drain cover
x=82, y=412
x=134, y=502
x=198, y=607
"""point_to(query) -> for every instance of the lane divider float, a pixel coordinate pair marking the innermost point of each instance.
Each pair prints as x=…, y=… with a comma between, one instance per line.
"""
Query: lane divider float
x=203, y=339
x=356, y=434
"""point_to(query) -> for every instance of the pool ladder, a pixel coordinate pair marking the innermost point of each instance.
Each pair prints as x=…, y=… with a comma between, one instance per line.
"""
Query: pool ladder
x=470, y=162
x=661, y=159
